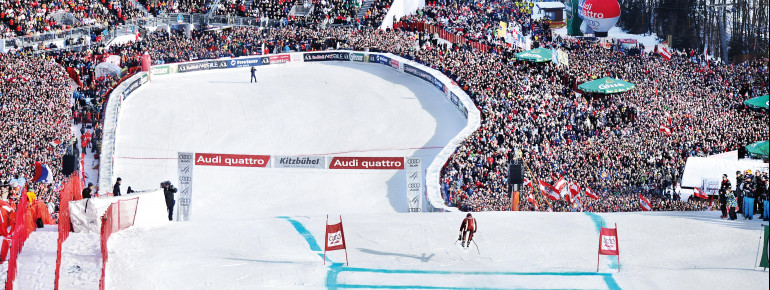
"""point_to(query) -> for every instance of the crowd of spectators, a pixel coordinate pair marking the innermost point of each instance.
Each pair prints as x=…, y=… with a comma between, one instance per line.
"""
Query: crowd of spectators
x=124, y=9
x=335, y=11
x=609, y=143
x=476, y=21
x=376, y=13
x=25, y=17
x=157, y=7
x=35, y=114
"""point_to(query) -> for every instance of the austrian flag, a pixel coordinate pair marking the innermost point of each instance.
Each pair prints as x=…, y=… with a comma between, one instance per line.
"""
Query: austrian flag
x=531, y=200
x=574, y=190
x=699, y=193
x=665, y=130
x=645, y=203
x=665, y=53
x=560, y=184
x=590, y=193
x=549, y=191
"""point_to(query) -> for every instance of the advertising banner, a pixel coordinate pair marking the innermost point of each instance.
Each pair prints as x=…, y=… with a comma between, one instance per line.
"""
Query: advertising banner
x=367, y=163
x=394, y=64
x=327, y=56
x=160, y=70
x=296, y=57
x=132, y=86
x=419, y=73
x=414, y=184
x=184, y=193
x=454, y=98
x=318, y=162
x=281, y=58
x=381, y=59
x=439, y=85
x=562, y=57
x=238, y=160
x=573, y=18
x=248, y=62
x=204, y=65
x=359, y=57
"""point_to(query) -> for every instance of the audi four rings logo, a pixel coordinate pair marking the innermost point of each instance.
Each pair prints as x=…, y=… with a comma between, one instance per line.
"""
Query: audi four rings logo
x=413, y=161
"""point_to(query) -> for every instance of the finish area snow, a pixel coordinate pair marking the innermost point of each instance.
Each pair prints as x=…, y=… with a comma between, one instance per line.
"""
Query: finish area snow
x=263, y=228
x=531, y=250
x=331, y=109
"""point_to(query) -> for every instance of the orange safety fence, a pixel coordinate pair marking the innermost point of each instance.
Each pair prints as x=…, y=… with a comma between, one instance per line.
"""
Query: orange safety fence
x=119, y=215
x=71, y=191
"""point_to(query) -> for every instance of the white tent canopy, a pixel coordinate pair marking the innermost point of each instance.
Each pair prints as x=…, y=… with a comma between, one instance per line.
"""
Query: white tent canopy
x=698, y=169
x=107, y=69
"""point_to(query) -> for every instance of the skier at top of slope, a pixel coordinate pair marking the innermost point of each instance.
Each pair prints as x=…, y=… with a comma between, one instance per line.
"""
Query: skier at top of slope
x=467, y=227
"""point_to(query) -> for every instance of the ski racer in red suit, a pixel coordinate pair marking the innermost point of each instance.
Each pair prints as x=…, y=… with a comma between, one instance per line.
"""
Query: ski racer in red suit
x=468, y=226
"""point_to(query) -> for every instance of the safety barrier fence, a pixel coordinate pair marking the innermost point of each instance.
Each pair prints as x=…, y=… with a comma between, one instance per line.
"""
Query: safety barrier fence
x=71, y=191
x=18, y=236
x=443, y=34
x=120, y=215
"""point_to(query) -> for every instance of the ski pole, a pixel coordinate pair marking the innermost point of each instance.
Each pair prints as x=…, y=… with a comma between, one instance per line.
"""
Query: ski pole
x=477, y=247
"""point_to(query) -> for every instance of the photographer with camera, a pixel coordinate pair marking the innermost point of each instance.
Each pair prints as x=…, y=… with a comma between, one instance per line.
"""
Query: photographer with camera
x=168, y=192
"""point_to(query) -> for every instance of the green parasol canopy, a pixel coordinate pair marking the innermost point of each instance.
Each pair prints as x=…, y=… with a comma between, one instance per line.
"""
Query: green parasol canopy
x=759, y=102
x=535, y=55
x=606, y=86
x=758, y=148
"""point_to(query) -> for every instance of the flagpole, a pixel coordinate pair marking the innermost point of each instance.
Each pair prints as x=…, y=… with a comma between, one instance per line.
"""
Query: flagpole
x=537, y=188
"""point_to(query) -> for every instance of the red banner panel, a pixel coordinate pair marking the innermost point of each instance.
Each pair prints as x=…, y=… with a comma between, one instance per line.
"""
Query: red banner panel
x=367, y=163
x=238, y=160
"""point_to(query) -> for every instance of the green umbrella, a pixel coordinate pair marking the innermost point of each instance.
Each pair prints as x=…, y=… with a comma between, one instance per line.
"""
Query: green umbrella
x=759, y=102
x=606, y=86
x=758, y=148
x=535, y=55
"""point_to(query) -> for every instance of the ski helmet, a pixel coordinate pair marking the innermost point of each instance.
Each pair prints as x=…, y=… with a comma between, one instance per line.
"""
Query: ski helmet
x=468, y=215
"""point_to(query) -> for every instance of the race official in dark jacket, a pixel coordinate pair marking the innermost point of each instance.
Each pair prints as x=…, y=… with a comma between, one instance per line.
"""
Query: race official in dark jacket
x=88, y=190
x=116, y=187
x=722, y=198
x=168, y=192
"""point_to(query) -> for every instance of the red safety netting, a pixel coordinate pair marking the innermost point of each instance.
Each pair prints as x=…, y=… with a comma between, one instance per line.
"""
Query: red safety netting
x=119, y=215
x=443, y=34
x=72, y=189
x=18, y=237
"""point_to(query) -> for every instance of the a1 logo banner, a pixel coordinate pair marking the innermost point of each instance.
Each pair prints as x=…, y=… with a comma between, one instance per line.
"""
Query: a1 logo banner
x=335, y=238
x=608, y=244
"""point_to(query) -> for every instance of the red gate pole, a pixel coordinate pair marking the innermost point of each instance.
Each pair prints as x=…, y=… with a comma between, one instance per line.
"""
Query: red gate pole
x=346, y=244
x=617, y=244
x=325, y=241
